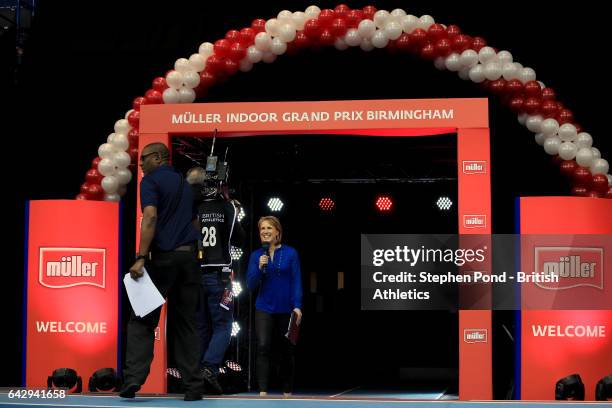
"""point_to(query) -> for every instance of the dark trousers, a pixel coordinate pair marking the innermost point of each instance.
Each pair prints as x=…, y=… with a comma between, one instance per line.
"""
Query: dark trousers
x=270, y=328
x=214, y=323
x=177, y=277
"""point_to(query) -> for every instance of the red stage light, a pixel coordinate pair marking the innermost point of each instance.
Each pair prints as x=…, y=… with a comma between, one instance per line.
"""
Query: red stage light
x=327, y=204
x=384, y=203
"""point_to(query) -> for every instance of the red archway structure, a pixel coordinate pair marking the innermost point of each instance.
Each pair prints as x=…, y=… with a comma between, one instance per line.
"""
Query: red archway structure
x=384, y=118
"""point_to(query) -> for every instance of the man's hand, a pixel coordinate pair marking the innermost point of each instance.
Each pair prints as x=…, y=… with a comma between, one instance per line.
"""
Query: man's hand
x=298, y=314
x=136, y=269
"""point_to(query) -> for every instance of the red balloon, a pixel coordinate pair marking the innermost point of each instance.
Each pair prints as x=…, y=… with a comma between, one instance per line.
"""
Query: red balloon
x=237, y=52
x=326, y=17
x=153, y=97
x=233, y=35
x=230, y=67
x=599, y=183
x=608, y=193
x=200, y=91
x=353, y=18
x=436, y=32
x=516, y=104
x=338, y=27
x=392, y=47
x=568, y=167
x=498, y=86
x=326, y=37
x=312, y=28
x=532, y=105
x=81, y=197
x=259, y=25
x=565, y=116
x=134, y=118
x=207, y=79
x=428, y=52
x=418, y=38
x=443, y=47
x=578, y=127
x=214, y=64
x=582, y=177
x=533, y=90
x=222, y=47
x=368, y=12
x=549, y=108
x=84, y=188
x=133, y=137
x=134, y=154
x=341, y=10
x=460, y=42
x=93, y=176
x=95, y=192
x=403, y=42
x=95, y=162
x=453, y=31
x=548, y=94
x=301, y=40
x=160, y=84
x=593, y=194
x=478, y=43
x=514, y=87
x=137, y=102
x=579, y=191
x=247, y=36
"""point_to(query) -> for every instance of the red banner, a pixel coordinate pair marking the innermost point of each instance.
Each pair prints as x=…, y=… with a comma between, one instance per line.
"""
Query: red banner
x=72, y=292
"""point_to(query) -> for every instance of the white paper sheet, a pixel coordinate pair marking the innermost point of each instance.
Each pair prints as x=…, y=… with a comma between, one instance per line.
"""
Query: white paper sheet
x=142, y=293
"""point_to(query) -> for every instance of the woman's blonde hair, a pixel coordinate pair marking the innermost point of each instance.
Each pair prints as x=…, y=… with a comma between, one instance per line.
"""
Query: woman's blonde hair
x=275, y=223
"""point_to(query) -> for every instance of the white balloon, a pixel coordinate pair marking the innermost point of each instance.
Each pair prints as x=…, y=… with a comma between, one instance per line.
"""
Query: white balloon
x=599, y=166
x=477, y=74
x=440, y=63
x=128, y=113
x=206, y=49
x=278, y=46
x=110, y=138
x=112, y=197
x=352, y=37
x=253, y=54
x=534, y=123
x=379, y=39
x=174, y=79
x=398, y=13
x=122, y=159
x=106, y=166
x=366, y=45
x=549, y=126
x=263, y=41
x=284, y=16
x=584, y=157
x=486, y=54
x=567, y=150
x=609, y=176
x=120, y=142
x=518, y=66
x=123, y=176
x=469, y=58
x=171, y=95
x=191, y=79
x=522, y=118
x=186, y=95
x=286, y=32
x=245, y=65
x=106, y=150
x=272, y=26
x=567, y=132
x=122, y=126
x=299, y=20
x=366, y=28
x=584, y=140
x=509, y=71
x=198, y=62
x=526, y=74
x=492, y=70
x=110, y=184
x=182, y=65
x=393, y=29
x=268, y=57
x=464, y=73
x=340, y=44
x=596, y=153
x=551, y=145
x=540, y=138
x=409, y=23
x=425, y=22
x=453, y=62
x=504, y=56
x=542, y=85
x=312, y=12
x=381, y=17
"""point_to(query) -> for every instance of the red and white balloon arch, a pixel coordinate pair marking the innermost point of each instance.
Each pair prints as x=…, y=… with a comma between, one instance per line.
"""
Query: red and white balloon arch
x=368, y=28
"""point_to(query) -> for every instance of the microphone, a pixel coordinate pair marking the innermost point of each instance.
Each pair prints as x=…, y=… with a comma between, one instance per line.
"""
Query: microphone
x=266, y=249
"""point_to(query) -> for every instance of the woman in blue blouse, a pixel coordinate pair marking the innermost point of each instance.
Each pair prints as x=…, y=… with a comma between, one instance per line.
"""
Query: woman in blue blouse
x=275, y=270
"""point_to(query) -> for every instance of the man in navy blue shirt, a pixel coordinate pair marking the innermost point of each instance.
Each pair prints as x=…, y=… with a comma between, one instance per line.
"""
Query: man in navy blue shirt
x=168, y=251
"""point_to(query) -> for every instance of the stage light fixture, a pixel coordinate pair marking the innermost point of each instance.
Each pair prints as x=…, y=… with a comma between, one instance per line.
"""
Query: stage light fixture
x=275, y=204
x=65, y=378
x=444, y=203
x=105, y=379
x=327, y=204
x=570, y=388
x=236, y=288
x=236, y=253
x=603, y=389
x=384, y=203
x=235, y=329
x=241, y=214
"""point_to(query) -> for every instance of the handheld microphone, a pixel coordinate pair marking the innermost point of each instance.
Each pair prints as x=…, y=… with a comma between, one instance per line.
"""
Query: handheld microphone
x=266, y=249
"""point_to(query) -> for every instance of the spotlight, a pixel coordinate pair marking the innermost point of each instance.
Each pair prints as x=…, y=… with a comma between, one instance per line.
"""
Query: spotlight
x=105, y=379
x=235, y=329
x=275, y=204
x=384, y=203
x=570, y=388
x=65, y=378
x=444, y=203
x=236, y=253
x=327, y=204
x=236, y=288
x=241, y=214
x=603, y=390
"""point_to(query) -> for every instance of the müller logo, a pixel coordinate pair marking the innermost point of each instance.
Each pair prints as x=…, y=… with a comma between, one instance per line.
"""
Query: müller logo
x=475, y=221
x=574, y=266
x=68, y=267
x=474, y=167
x=475, y=335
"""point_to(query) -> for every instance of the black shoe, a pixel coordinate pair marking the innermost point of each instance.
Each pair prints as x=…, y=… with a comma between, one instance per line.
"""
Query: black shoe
x=211, y=378
x=192, y=396
x=129, y=390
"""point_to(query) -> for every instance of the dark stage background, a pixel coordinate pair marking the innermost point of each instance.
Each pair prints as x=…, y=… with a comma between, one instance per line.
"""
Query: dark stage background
x=83, y=64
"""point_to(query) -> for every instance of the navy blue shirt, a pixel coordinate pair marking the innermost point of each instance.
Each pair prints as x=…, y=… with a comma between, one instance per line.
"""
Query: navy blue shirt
x=280, y=288
x=159, y=189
